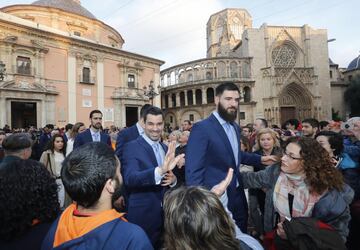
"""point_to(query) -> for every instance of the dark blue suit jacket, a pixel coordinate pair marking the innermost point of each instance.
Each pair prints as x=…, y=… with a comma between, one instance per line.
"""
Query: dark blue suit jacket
x=145, y=197
x=209, y=156
x=43, y=141
x=125, y=136
x=85, y=137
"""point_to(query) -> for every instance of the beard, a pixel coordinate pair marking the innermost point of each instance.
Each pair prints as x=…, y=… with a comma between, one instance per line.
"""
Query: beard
x=118, y=192
x=97, y=125
x=228, y=116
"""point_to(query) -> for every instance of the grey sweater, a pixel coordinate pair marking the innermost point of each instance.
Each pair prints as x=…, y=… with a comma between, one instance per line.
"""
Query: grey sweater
x=332, y=208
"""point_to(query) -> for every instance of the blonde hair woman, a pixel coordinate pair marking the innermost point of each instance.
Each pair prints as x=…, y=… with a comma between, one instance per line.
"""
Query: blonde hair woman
x=267, y=143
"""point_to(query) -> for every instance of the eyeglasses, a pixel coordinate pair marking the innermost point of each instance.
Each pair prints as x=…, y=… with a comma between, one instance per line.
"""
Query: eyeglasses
x=292, y=157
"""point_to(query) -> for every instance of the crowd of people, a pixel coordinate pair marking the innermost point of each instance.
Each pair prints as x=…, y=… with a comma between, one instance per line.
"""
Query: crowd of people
x=207, y=185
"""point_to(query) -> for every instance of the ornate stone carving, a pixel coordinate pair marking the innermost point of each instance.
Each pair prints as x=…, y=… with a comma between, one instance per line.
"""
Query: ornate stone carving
x=284, y=56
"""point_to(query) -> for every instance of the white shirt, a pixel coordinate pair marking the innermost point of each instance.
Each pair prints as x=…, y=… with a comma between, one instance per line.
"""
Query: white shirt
x=94, y=134
x=58, y=158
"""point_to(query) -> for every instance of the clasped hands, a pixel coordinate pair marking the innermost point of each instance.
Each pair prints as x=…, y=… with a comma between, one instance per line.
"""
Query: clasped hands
x=169, y=164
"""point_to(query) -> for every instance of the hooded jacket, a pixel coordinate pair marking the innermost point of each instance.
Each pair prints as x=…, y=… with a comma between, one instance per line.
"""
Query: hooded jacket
x=106, y=230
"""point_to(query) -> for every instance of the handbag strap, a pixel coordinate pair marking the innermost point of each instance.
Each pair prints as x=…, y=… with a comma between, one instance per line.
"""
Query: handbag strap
x=49, y=163
x=291, y=201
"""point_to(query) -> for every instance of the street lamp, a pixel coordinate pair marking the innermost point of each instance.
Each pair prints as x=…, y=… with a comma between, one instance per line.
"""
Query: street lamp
x=2, y=71
x=150, y=92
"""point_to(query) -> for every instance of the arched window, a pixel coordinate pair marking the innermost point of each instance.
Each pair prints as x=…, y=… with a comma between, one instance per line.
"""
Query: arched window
x=173, y=100
x=210, y=95
x=190, y=97
x=182, y=99
x=221, y=69
x=234, y=70
x=208, y=75
x=247, y=94
x=190, y=78
x=198, y=96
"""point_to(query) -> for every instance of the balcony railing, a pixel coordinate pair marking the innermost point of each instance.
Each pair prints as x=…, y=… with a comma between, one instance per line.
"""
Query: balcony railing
x=26, y=71
x=87, y=80
x=208, y=70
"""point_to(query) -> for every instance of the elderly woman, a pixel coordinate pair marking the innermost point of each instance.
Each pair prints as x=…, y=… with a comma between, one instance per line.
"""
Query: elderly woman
x=306, y=177
x=267, y=143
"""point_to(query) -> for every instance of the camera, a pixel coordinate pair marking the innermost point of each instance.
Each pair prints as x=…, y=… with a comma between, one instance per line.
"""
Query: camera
x=349, y=124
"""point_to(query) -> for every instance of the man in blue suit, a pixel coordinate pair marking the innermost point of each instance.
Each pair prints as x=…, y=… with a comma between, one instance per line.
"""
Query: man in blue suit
x=214, y=147
x=94, y=132
x=130, y=133
x=147, y=165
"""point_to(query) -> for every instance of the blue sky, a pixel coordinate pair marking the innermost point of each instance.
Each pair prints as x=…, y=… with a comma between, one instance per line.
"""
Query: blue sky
x=175, y=30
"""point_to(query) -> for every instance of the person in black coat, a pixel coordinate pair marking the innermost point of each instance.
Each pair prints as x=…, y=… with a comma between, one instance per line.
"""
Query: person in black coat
x=27, y=210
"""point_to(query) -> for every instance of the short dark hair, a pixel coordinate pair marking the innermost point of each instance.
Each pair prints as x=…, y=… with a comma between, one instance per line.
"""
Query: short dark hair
x=17, y=142
x=312, y=121
x=250, y=128
x=188, y=122
x=293, y=122
x=263, y=121
x=323, y=124
x=28, y=193
x=335, y=140
x=85, y=171
x=68, y=126
x=49, y=126
x=153, y=111
x=143, y=110
x=95, y=111
x=226, y=86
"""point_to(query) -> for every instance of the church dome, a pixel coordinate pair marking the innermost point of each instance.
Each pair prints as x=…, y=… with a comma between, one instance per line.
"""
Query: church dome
x=72, y=6
x=355, y=64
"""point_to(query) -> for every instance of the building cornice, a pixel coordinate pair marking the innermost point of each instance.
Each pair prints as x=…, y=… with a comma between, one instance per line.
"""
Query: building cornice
x=39, y=31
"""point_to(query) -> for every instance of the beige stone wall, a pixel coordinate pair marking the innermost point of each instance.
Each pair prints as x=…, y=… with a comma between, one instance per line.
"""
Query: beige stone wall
x=300, y=83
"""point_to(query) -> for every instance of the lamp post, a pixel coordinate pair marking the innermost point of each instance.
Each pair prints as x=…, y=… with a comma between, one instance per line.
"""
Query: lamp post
x=2, y=71
x=150, y=92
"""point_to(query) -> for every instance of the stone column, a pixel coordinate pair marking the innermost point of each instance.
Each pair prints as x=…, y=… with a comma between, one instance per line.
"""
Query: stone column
x=2, y=114
x=204, y=100
x=194, y=96
x=100, y=85
x=178, y=99
x=72, y=88
x=44, y=121
x=186, y=98
x=123, y=113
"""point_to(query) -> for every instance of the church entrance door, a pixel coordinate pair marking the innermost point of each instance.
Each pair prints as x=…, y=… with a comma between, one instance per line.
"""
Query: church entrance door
x=23, y=114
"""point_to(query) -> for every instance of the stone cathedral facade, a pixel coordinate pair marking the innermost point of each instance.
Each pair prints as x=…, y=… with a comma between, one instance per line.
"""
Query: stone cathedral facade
x=282, y=71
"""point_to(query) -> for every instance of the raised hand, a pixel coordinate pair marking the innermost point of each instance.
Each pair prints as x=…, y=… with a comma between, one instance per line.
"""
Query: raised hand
x=170, y=160
x=220, y=188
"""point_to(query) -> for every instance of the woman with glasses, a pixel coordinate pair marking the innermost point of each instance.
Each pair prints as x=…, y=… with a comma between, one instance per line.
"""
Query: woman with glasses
x=267, y=143
x=304, y=184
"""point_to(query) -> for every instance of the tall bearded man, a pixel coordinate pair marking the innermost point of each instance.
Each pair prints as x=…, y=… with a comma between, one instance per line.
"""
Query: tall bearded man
x=94, y=133
x=213, y=148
